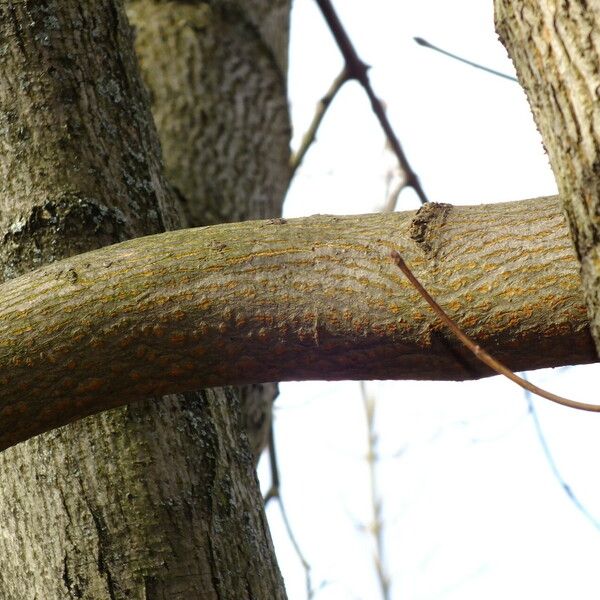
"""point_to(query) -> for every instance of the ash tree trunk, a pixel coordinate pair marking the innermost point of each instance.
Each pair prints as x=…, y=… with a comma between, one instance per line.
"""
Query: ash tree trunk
x=158, y=499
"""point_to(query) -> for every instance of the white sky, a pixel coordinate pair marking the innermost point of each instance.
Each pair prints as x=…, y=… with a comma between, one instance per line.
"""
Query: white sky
x=470, y=504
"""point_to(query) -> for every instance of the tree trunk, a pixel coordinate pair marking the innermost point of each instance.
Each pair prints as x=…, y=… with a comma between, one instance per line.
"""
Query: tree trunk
x=556, y=51
x=159, y=499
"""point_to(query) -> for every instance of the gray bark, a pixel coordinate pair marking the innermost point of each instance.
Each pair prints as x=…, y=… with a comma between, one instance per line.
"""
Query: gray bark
x=159, y=499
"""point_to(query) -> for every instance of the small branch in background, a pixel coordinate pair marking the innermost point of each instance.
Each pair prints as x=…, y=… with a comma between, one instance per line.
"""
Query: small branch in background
x=357, y=70
x=553, y=467
x=479, y=352
x=376, y=526
x=274, y=489
x=465, y=61
x=394, y=184
x=311, y=133
x=274, y=494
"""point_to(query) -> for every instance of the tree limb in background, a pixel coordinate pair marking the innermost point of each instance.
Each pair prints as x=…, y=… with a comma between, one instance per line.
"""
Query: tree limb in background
x=553, y=467
x=311, y=133
x=465, y=61
x=274, y=493
x=355, y=69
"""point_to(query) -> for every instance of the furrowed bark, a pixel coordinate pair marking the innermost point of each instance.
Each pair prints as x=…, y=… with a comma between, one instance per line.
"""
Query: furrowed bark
x=314, y=298
x=158, y=499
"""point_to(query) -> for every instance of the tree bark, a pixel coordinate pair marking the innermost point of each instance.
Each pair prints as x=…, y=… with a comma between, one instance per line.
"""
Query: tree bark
x=314, y=298
x=159, y=499
x=556, y=50
x=216, y=75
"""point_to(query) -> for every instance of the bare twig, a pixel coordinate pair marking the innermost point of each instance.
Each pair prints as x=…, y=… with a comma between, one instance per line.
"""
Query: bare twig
x=426, y=44
x=274, y=494
x=356, y=69
x=550, y=459
x=305, y=564
x=479, y=352
x=376, y=527
x=311, y=133
x=274, y=489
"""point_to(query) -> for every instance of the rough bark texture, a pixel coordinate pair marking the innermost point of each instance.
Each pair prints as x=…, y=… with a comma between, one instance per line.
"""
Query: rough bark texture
x=555, y=46
x=224, y=132
x=157, y=500
x=314, y=298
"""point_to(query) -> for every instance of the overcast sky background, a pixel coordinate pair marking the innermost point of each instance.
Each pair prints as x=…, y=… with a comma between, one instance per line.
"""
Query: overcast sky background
x=471, y=506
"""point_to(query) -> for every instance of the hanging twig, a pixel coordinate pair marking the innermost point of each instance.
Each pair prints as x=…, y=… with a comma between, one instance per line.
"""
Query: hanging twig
x=426, y=44
x=274, y=494
x=356, y=69
x=479, y=352
x=550, y=459
x=311, y=133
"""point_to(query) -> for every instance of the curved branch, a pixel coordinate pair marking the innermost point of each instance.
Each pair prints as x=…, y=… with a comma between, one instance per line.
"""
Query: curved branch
x=313, y=298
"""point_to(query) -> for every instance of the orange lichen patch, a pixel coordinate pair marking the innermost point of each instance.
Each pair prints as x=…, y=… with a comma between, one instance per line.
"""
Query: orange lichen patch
x=20, y=408
x=240, y=321
x=469, y=322
x=71, y=364
x=204, y=303
x=135, y=375
x=176, y=371
x=262, y=333
x=159, y=330
x=140, y=351
x=125, y=341
x=201, y=329
x=93, y=384
x=396, y=309
x=67, y=383
x=177, y=338
x=21, y=361
x=59, y=406
x=7, y=411
x=279, y=349
x=198, y=351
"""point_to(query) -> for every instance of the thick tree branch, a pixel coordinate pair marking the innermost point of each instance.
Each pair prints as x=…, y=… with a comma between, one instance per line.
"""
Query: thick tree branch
x=313, y=298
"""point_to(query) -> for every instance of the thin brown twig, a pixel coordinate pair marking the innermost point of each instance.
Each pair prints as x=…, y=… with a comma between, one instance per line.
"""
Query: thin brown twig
x=479, y=352
x=311, y=133
x=356, y=69
x=376, y=527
